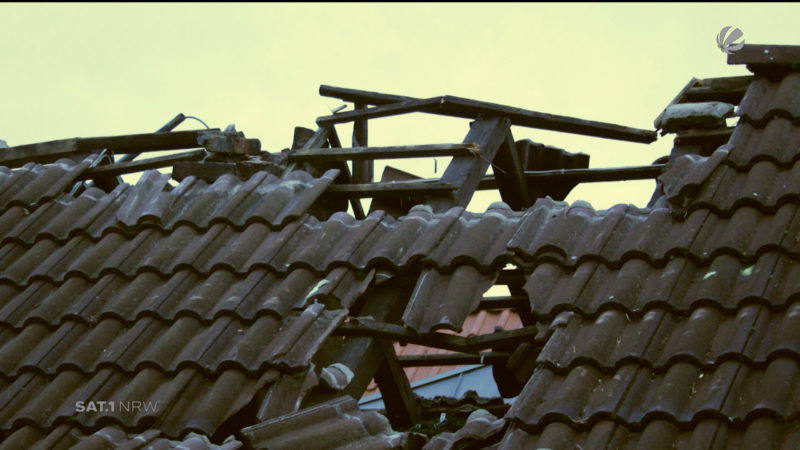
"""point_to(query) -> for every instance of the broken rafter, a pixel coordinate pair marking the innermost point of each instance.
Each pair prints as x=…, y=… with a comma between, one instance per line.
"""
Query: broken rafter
x=138, y=166
x=583, y=175
x=472, y=344
x=46, y=152
x=416, y=105
x=466, y=108
x=465, y=172
x=169, y=126
x=452, y=359
x=376, y=190
x=391, y=152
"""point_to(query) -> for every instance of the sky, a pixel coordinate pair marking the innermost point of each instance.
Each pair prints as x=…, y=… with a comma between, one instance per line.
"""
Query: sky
x=80, y=70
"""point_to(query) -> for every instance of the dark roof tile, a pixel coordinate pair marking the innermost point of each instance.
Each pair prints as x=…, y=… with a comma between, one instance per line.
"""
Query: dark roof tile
x=168, y=346
x=725, y=283
x=33, y=184
x=186, y=401
x=66, y=436
x=762, y=432
x=443, y=301
x=766, y=99
x=634, y=396
x=334, y=424
x=660, y=339
x=263, y=199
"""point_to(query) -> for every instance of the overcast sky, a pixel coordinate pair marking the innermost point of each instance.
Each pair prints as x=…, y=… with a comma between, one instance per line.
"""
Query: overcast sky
x=91, y=70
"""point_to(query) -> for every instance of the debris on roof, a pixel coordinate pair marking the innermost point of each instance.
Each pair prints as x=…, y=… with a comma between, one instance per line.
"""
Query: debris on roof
x=250, y=308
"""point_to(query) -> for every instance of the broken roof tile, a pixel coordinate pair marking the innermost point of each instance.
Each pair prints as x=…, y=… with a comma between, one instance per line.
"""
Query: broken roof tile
x=337, y=423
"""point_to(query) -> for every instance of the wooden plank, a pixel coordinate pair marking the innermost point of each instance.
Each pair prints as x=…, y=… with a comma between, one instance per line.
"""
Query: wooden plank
x=467, y=108
x=723, y=89
x=376, y=190
x=359, y=96
x=466, y=171
x=505, y=338
x=146, y=164
x=473, y=344
x=598, y=175
x=401, y=334
x=355, y=203
x=463, y=107
x=452, y=359
x=513, y=301
x=317, y=140
x=582, y=175
x=422, y=105
x=765, y=54
x=402, y=408
x=169, y=126
x=508, y=172
x=135, y=143
x=390, y=152
x=363, y=171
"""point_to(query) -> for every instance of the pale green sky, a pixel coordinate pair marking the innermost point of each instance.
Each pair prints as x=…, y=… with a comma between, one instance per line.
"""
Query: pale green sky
x=87, y=69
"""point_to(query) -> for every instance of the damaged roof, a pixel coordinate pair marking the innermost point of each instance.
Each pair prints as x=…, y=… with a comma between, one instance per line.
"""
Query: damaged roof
x=247, y=311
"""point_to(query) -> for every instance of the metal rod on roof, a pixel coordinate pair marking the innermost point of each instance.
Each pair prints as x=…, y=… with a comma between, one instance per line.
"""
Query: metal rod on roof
x=169, y=126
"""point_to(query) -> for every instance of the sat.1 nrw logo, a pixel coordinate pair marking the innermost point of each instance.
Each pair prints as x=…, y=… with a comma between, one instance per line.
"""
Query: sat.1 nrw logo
x=725, y=41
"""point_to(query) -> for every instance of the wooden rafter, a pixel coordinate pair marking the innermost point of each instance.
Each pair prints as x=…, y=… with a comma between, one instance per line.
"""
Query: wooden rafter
x=449, y=105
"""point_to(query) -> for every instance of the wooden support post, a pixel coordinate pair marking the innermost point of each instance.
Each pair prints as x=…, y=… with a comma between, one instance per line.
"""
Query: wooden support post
x=355, y=203
x=363, y=171
x=510, y=175
x=364, y=355
x=402, y=408
x=466, y=171
x=317, y=140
